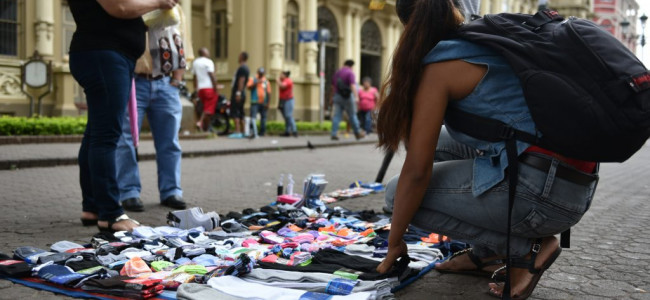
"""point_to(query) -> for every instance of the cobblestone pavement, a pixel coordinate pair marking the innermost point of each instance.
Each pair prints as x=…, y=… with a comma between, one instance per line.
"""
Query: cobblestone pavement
x=609, y=258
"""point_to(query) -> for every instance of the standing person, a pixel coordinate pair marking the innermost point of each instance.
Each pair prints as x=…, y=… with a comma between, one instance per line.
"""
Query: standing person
x=344, y=84
x=368, y=96
x=238, y=96
x=287, y=103
x=102, y=62
x=206, y=84
x=260, y=96
x=159, y=101
x=460, y=188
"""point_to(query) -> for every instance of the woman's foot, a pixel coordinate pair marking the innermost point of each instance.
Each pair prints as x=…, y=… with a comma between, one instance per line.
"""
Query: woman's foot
x=122, y=223
x=523, y=280
x=465, y=262
x=88, y=218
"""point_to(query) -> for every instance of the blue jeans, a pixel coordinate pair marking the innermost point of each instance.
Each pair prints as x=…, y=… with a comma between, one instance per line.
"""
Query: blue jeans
x=365, y=120
x=344, y=104
x=160, y=103
x=545, y=205
x=105, y=76
x=261, y=109
x=287, y=114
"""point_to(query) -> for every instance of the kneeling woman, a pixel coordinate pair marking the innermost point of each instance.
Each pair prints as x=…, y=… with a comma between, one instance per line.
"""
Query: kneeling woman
x=464, y=194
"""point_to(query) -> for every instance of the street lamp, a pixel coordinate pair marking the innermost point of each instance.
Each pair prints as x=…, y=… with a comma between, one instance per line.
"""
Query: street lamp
x=624, y=26
x=643, y=19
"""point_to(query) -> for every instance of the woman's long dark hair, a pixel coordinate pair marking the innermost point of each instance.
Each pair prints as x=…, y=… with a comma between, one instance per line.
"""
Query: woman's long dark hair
x=426, y=23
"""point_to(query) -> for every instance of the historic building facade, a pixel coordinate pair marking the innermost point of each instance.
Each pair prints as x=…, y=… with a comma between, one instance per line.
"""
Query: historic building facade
x=266, y=29
x=612, y=15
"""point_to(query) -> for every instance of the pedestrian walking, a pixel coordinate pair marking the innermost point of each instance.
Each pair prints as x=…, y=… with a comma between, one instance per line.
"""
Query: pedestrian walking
x=102, y=62
x=238, y=96
x=287, y=103
x=260, y=96
x=344, y=85
x=205, y=83
x=459, y=188
x=157, y=93
x=368, y=96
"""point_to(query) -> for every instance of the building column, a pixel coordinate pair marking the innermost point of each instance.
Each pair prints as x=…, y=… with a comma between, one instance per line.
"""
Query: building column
x=44, y=27
x=275, y=33
x=311, y=49
x=356, y=37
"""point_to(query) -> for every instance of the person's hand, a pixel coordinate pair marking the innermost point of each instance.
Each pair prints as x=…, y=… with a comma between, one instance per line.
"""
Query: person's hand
x=395, y=251
x=167, y=4
x=237, y=98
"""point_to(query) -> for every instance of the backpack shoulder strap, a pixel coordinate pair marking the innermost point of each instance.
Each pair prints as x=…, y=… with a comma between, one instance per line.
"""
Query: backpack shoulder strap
x=485, y=129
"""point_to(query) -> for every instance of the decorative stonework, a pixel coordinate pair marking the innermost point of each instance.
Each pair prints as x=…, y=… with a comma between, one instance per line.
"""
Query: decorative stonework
x=9, y=84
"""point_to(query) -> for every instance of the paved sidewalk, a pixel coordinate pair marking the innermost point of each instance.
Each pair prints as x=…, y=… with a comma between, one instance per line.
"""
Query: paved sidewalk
x=609, y=257
x=58, y=154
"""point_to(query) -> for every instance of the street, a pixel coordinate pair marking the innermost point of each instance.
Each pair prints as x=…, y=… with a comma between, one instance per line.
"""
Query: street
x=609, y=257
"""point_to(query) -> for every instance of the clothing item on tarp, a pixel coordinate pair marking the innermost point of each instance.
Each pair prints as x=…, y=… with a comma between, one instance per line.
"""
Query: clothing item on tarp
x=332, y=261
x=232, y=285
x=195, y=291
x=317, y=282
x=64, y=246
x=14, y=268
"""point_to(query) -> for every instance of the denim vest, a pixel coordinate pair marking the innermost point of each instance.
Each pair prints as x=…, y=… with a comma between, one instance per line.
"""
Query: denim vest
x=498, y=96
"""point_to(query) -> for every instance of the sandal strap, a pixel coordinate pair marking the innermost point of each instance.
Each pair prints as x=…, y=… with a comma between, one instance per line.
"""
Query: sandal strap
x=524, y=263
x=123, y=217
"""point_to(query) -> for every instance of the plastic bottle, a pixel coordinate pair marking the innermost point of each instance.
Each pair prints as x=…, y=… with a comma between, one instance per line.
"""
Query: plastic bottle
x=280, y=186
x=290, y=184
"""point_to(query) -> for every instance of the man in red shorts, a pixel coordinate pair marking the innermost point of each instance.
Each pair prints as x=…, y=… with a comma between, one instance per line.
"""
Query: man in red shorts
x=206, y=84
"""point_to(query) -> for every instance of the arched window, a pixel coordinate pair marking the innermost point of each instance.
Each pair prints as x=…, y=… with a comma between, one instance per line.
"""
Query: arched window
x=291, y=32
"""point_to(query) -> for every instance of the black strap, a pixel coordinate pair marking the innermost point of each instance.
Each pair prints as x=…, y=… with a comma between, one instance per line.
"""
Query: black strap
x=565, y=239
x=513, y=179
x=541, y=18
x=485, y=129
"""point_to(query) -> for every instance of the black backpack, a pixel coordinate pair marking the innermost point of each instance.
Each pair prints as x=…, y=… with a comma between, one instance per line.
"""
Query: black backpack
x=588, y=95
x=343, y=88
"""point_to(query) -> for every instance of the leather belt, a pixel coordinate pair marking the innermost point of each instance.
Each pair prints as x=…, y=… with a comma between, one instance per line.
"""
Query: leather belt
x=149, y=76
x=564, y=172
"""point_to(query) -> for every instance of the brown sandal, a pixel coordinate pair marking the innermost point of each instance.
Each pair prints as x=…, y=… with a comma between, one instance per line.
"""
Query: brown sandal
x=478, y=271
x=524, y=263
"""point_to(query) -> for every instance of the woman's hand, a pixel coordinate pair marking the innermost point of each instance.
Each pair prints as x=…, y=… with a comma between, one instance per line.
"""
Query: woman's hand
x=395, y=251
x=167, y=4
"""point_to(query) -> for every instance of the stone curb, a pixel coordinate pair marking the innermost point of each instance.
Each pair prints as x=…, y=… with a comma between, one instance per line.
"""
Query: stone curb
x=53, y=162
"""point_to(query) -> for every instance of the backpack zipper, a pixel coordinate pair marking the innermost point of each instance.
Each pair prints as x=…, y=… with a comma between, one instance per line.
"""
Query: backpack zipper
x=575, y=34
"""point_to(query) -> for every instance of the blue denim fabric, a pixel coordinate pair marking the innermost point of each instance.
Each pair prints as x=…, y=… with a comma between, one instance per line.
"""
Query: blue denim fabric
x=261, y=109
x=287, y=114
x=105, y=76
x=545, y=205
x=498, y=96
x=159, y=102
x=342, y=104
x=365, y=120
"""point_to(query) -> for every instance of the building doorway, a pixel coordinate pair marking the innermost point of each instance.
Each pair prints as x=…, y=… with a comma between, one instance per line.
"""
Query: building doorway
x=371, y=52
x=326, y=20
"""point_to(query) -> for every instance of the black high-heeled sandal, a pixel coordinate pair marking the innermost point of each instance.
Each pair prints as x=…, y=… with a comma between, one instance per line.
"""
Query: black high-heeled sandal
x=110, y=229
x=529, y=264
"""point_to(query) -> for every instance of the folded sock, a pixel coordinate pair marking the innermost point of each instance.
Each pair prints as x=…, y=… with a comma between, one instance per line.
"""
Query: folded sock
x=14, y=268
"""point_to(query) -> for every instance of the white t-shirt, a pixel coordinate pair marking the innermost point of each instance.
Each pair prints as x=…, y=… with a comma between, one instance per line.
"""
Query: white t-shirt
x=201, y=67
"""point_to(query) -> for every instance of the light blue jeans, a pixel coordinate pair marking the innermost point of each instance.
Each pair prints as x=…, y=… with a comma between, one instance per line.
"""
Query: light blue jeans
x=160, y=103
x=545, y=205
x=287, y=114
x=261, y=109
x=344, y=104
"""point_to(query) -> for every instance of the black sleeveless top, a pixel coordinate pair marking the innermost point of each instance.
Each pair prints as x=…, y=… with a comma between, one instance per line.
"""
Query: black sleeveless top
x=97, y=30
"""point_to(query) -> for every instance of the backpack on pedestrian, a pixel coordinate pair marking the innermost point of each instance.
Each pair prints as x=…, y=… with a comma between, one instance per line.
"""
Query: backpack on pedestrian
x=342, y=88
x=588, y=95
